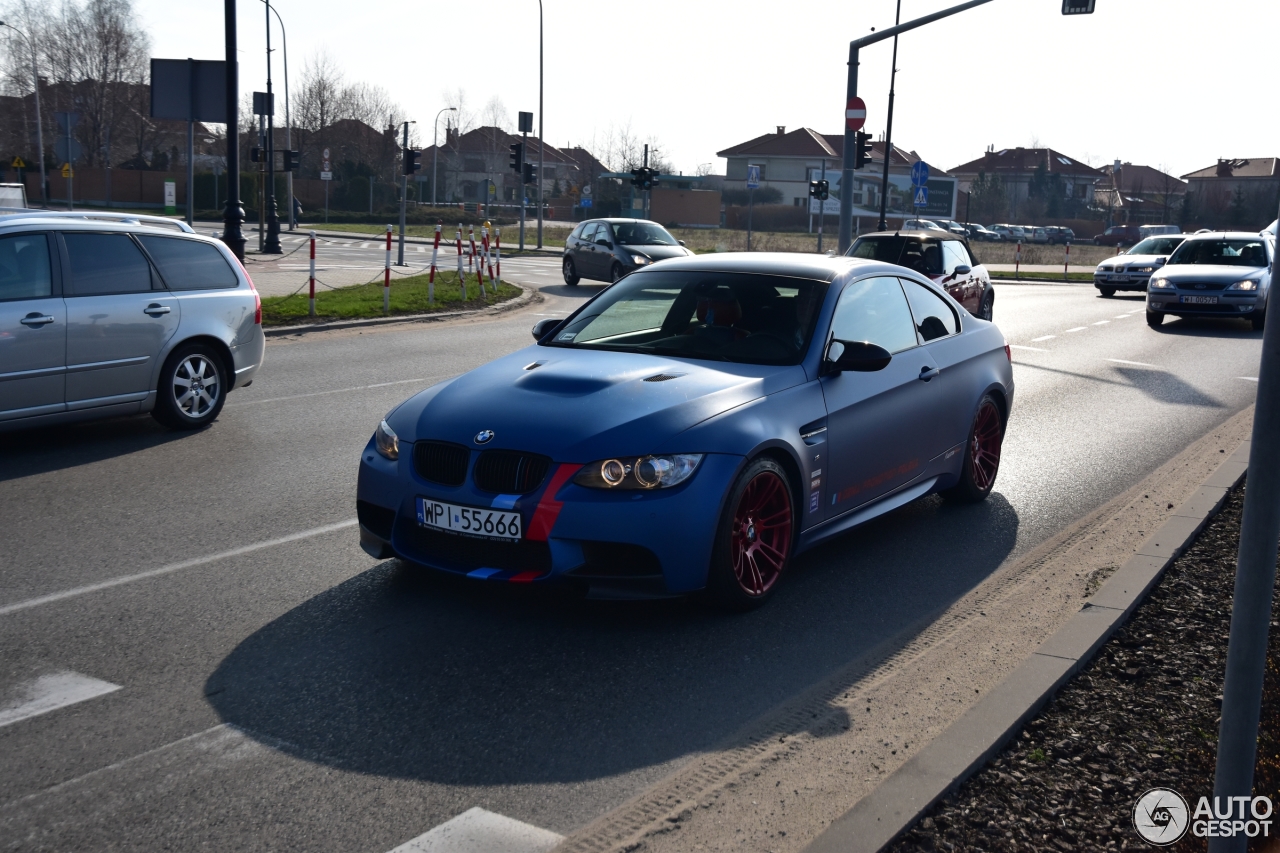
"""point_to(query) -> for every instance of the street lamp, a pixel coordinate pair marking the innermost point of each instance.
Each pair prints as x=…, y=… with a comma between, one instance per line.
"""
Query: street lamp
x=35, y=80
x=435, y=150
x=540, y=143
x=288, y=123
x=272, y=244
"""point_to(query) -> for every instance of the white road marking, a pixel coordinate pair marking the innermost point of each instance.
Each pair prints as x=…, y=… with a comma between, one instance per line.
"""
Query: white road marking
x=49, y=693
x=1134, y=363
x=1078, y=329
x=1123, y=316
x=1102, y=322
x=1043, y=338
x=121, y=580
x=1248, y=378
x=480, y=831
x=333, y=391
x=1032, y=349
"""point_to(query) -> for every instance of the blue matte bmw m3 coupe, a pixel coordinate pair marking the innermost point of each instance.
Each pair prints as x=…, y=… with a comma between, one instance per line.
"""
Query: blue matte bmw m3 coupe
x=693, y=428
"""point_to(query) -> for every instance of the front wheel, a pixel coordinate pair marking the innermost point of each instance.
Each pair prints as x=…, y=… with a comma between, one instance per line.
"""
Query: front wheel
x=1154, y=319
x=1107, y=291
x=753, y=541
x=615, y=272
x=982, y=455
x=987, y=308
x=571, y=277
x=193, y=386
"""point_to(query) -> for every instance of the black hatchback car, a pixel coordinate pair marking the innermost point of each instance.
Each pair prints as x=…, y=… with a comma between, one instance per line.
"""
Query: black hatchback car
x=608, y=249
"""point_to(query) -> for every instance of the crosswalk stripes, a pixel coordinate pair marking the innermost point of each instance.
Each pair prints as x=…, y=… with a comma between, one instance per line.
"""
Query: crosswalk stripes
x=479, y=830
x=49, y=693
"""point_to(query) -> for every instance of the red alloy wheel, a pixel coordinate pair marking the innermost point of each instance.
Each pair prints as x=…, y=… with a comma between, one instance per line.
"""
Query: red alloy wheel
x=984, y=450
x=761, y=536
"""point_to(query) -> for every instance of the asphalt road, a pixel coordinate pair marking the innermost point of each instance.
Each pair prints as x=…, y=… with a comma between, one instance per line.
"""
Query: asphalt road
x=195, y=653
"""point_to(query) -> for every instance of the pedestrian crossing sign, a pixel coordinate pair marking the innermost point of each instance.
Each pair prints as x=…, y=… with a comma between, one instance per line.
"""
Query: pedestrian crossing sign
x=922, y=197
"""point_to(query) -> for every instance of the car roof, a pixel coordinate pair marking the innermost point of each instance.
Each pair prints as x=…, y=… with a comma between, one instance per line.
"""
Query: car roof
x=919, y=233
x=789, y=264
x=94, y=219
x=1219, y=235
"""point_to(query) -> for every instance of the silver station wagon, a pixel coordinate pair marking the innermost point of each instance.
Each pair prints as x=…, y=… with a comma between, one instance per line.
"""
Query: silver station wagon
x=104, y=315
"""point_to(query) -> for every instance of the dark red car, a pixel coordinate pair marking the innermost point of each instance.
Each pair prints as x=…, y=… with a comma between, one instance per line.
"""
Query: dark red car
x=1118, y=235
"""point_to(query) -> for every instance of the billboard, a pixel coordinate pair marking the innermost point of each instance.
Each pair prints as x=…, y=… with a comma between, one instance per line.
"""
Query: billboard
x=866, y=195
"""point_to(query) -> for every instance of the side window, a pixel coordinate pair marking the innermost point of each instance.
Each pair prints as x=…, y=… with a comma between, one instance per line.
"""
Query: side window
x=874, y=310
x=188, y=264
x=106, y=263
x=604, y=234
x=588, y=234
x=24, y=267
x=933, y=316
x=577, y=232
x=953, y=255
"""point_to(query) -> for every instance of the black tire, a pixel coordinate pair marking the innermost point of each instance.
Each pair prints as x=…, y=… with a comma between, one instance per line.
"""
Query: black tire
x=1154, y=319
x=733, y=561
x=1258, y=319
x=1097, y=242
x=1107, y=291
x=570, y=270
x=191, y=364
x=615, y=271
x=987, y=307
x=981, y=455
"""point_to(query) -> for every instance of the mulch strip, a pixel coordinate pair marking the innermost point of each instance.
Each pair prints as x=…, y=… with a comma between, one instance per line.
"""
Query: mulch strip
x=1143, y=715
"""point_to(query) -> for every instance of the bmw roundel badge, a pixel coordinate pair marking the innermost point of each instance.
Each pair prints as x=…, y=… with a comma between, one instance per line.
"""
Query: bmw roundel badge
x=484, y=436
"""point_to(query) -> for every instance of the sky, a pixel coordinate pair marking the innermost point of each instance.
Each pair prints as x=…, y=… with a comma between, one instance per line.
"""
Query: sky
x=1170, y=83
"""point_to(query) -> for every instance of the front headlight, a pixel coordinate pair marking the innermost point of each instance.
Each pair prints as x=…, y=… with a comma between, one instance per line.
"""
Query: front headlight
x=1161, y=284
x=387, y=442
x=639, y=472
x=640, y=260
x=1249, y=285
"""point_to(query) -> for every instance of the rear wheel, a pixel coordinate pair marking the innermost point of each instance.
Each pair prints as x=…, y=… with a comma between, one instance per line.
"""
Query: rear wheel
x=1154, y=319
x=1107, y=291
x=753, y=543
x=193, y=387
x=987, y=308
x=570, y=273
x=982, y=455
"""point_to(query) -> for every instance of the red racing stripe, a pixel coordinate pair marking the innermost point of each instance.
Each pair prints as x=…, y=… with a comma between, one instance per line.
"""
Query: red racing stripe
x=524, y=577
x=544, y=517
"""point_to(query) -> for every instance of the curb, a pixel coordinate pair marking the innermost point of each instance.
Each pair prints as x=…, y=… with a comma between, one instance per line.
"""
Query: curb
x=528, y=297
x=962, y=749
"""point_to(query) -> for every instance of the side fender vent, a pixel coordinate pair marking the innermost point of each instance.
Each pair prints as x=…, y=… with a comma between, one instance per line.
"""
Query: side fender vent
x=663, y=377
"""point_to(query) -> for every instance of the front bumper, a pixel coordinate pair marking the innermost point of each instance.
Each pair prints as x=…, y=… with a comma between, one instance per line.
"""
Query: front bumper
x=618, y=544
x=1121, y=280
x=1228, y=305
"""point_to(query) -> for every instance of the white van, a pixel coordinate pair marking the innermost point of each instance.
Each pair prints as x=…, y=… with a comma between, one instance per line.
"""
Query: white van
x=13, y=197
x=1156, y=230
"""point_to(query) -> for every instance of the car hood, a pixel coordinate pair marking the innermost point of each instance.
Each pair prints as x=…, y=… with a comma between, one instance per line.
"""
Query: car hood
x=582, y=405
x=657, y=253
x=1134, y=261
x=1210, y=273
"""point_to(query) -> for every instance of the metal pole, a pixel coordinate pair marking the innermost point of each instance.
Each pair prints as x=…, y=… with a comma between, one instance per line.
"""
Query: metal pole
x=35, y=82
x=751, y=203
x=435, y=149
x=272, y=246
x=846, y=178
x=71, y=169
x=822, y=207
x=191, y=139
x=404, y=196
x=888, y=133
x=262, y=187
x=1255, y=581
x=540, y=143
x=522, y=189
x=233, y=213
x=288, y=121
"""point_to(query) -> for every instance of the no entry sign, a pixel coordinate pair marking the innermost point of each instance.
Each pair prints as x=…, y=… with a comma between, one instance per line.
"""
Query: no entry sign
x=855, y=114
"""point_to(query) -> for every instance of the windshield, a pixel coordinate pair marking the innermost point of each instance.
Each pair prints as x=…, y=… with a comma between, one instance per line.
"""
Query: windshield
x=702, y=314
x=1155, y=246
x=1243, y=252
x=642, y=234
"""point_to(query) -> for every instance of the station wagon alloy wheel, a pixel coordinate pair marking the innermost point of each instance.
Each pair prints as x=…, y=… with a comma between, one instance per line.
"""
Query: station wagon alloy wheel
x=196, y=386
x=192, y=388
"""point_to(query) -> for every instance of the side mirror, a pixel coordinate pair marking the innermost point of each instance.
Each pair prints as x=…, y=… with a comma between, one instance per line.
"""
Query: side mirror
x=858, y=356
x=681, y=242
x=543, y=327
x=963, y=270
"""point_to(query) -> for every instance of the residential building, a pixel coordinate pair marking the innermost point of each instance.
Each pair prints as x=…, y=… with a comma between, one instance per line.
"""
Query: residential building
x=471, y=163
x=1017, y=169
x=1241, y=193
x=1134, y=194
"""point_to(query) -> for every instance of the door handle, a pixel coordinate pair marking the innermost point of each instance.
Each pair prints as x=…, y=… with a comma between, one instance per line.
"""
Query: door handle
x=927, y=373
x=156, y=310
x=36, y=319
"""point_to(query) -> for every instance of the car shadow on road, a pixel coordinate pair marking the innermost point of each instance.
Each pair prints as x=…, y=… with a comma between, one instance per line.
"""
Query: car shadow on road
x=405, y=673
x=1159, y=385
x=586, y=290
x=1208, y=327
x=25, y=453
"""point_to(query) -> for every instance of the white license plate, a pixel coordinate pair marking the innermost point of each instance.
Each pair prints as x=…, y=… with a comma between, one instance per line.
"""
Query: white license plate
x=469, y=520
x=1198, y=300
x=1119, y=278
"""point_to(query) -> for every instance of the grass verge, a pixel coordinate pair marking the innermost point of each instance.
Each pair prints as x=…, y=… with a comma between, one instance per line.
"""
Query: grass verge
x=1041, y=276
x=408, y=296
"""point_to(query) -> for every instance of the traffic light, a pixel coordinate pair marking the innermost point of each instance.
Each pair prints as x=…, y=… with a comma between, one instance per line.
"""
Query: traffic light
x=290, y=161
x=1077, y=7
x=411, y=163
x=861, y=149
x=530, y=173
x=637, y=177
x=820, y=190
x=255, y=155
x=650, y=179
x=517, y=158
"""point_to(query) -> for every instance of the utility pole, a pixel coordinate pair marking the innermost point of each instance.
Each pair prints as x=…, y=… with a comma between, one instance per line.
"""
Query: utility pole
x=822, y=203
x=233, y=214
x=540, y=142
x=847, y=167
x=647, y=191
x=888, y=133
x=272, y=244
x=404, y=195
x=288, y=120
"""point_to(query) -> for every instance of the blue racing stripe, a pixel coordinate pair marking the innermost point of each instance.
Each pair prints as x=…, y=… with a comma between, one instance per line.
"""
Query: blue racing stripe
x=483, y=574
x=504, y=502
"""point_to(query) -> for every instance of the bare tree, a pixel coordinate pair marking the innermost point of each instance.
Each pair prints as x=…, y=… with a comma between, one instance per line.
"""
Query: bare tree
x=462, y=120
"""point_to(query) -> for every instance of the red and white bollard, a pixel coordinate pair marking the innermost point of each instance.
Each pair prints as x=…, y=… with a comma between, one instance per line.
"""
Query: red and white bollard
x=471, y=233
x=431, y=279
x=462, y=278
x=1017, y=260
x=488, y=258
x=1066, y=263
x=497, y=245
x=311, y=310
x=386, y=277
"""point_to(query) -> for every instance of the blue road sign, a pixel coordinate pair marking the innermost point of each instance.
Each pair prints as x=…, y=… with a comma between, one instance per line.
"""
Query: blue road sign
x=753, y=177
x=919, y=174
x=584, y=202
x=922, y=197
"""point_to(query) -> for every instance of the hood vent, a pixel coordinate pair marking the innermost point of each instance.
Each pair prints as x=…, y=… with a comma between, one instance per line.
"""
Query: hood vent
x=533, y=365
x=663, y=377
